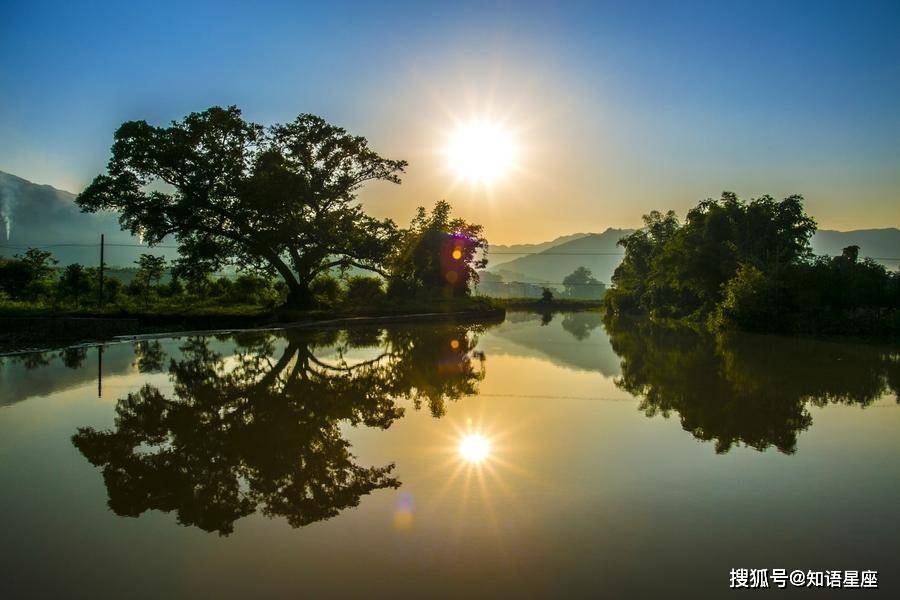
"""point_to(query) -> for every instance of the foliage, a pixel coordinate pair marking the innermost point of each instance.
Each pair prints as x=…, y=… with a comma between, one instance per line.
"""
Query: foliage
x=326, y=291
x=77, y=287
x=581, y=283
x=672, y=270
x=27, y=277
x=277, y=200
x=151, y=269
x=827, y=295
x=75, y=282
x=546, y=295
x=438, y=255
x=749, y=266
x=364, y=291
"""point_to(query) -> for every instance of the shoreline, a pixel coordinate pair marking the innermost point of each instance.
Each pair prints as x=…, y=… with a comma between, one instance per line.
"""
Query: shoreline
x=93, y=331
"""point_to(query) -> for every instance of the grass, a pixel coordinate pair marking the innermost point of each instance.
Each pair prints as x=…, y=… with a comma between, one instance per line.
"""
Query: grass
x=212, y=314
x=163, y=318
x=383, y=307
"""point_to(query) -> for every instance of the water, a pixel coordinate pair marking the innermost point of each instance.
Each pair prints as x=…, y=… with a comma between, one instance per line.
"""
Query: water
x=541, y=456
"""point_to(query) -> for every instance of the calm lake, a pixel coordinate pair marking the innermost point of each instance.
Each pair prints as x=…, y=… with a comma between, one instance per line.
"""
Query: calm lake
x=541, y=456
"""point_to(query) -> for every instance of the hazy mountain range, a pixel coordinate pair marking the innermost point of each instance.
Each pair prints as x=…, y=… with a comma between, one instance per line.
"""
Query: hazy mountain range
x=596, y=251
x=41, y=215
x=599, y=252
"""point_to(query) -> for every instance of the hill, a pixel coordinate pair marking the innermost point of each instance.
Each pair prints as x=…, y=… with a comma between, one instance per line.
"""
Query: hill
x=40, y=215
x=596, y=251
x=599, y=253
x=875, y=243
x=503, y=253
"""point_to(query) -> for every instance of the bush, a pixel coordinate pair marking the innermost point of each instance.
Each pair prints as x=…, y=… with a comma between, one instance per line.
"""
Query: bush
x=325, y=290
x=364, y=291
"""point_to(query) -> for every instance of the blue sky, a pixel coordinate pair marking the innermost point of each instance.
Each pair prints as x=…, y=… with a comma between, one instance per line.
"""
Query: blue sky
x=623, y=107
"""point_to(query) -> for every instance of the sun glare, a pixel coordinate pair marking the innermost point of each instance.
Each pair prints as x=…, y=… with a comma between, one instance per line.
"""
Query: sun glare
x=481, y=151
x=474, y=448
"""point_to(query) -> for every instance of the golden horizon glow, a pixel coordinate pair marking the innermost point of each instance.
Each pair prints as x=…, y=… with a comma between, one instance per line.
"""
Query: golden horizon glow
x=481, y=151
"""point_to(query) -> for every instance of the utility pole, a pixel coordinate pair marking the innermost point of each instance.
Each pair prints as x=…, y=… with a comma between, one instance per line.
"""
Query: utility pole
x=102, y=248
x=100, y=371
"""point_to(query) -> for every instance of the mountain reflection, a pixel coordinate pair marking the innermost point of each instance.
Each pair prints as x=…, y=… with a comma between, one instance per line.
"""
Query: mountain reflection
x=741, y=389
x=260, y=430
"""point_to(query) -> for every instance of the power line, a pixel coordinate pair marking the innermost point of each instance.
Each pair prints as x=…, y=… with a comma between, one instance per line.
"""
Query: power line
x=82, y=245
x=622, y=254
x=75, y=245
x=557, y=253
x=541, y=283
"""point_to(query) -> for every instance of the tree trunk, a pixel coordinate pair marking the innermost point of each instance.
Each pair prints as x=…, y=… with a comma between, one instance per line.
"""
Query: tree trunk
x=298, y=291
x=299, y=295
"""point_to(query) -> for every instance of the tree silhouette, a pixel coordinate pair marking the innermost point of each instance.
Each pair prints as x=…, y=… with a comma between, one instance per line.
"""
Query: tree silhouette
x=745, y=389
x=581, y=283
x=261, y=430
x=438, y=254
x=679, y=270
x=279, y=199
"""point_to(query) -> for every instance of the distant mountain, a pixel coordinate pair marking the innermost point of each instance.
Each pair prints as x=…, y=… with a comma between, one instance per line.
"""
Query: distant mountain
x=876, y=243
x=501, y=253
x=599, y=253
x=596, y=251
x=41, y=215
x=508, y=275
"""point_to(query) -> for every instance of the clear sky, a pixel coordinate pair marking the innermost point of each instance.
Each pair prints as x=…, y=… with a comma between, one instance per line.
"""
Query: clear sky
x=616, y=109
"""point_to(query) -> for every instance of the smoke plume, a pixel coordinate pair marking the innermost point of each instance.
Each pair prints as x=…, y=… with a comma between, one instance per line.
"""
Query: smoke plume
x=6, y=206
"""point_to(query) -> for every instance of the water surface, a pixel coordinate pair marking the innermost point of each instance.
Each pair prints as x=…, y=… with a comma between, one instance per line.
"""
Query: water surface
x=540, y=456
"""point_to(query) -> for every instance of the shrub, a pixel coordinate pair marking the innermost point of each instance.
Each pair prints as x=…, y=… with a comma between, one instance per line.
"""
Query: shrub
x=325, y=290
x=364, y=291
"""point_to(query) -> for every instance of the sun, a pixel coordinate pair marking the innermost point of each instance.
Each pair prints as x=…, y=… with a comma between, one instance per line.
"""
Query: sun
x=474, y=448
x=481, y=151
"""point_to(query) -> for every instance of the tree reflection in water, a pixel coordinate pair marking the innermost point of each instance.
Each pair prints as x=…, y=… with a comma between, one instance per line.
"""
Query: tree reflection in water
x=732, y=389
x=261, y=430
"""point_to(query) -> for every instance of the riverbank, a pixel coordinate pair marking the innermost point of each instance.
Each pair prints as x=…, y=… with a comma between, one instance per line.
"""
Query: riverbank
x=41, y=331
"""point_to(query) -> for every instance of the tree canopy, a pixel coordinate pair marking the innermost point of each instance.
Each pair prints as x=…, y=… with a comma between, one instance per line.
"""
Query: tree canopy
x=749, y=266
x=581, y=283
x=439, y=254
x=277, y=199
x=677, y=270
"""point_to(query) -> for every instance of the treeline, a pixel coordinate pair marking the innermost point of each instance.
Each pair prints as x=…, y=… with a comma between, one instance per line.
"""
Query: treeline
x=749, y=265
x=434, y=259
x=279, y=201
x=33, y=281
x=580, y=284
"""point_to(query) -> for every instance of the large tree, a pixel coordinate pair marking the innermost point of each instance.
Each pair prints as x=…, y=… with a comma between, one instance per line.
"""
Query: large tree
x=278, y=199
x=581, y=283
x=439, y=254
x=675, y=270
